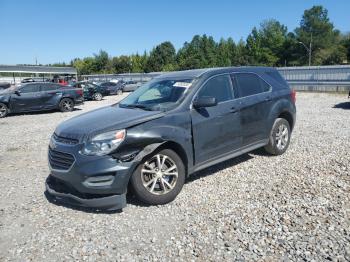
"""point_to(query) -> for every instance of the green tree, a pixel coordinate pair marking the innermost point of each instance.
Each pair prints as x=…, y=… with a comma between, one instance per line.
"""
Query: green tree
x=121, y=64
x=161, y=56
x=101, y=61
x=201, y=52
x=316, y=28
x=265, y=45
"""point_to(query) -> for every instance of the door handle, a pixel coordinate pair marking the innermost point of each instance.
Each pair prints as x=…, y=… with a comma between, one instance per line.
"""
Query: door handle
x=233, y=110
x=268, y=98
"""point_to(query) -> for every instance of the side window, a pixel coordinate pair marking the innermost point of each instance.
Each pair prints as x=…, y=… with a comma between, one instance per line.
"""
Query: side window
x=218, y=87
x=49, y=87
x=250, y=84
x=30, y=88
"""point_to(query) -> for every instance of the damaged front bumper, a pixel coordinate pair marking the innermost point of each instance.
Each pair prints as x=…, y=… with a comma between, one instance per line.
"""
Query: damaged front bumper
x=64, y=193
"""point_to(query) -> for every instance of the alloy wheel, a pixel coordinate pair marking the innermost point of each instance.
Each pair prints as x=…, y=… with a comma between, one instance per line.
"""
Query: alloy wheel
x=98, y=97
x=67, y=105
x=3, y=110
x=159, y=174
x=282, y=136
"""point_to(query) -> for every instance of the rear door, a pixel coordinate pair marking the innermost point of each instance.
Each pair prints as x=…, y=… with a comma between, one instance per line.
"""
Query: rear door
x=255, y=96
x=50, y=95
x=216, y=130
x=29, y=98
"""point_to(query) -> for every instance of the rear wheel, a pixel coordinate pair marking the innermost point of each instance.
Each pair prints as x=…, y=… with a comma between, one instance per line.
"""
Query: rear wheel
x=3, y=110
x=98, y=96
x=279, y=137
x=66, y=105
x=159, y=178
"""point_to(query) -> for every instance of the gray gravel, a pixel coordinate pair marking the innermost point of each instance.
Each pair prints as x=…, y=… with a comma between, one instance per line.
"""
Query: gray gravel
x=254, y=207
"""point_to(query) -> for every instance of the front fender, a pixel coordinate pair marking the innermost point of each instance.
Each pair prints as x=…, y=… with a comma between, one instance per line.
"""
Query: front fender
x=145, y=138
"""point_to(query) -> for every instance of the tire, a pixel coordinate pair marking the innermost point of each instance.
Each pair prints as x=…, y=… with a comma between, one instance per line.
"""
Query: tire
x=279, y=137
x=97, y=96
x=66, y=105
x=119, y=92
x=3, y=110
x=158, y=192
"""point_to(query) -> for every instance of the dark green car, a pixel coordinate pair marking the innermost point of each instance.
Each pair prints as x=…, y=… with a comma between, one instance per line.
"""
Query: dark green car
x=91, y=91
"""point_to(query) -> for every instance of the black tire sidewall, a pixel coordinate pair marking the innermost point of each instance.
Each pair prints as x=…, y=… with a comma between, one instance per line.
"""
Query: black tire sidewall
x=61, y=105
x=144, y=195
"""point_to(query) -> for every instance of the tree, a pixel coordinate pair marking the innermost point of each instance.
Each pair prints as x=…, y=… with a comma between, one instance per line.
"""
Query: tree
x=201, y=52
x=84, y=66
x=315, y=27
x=121, y=64
x=265, y=45
x=139, y=63
x=101, y=61
x=161, y=56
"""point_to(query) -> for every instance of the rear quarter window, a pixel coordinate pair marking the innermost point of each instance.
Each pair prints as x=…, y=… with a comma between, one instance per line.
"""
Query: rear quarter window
x=249, y=84
x=276, y=76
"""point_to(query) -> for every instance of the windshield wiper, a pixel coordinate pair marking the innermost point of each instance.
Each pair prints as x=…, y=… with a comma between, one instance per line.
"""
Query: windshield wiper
x=135, y=106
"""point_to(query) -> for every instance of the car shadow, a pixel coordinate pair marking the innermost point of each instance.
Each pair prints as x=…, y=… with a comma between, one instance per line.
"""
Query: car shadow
x=40, y=112
x=218, y=167
x=343, y=105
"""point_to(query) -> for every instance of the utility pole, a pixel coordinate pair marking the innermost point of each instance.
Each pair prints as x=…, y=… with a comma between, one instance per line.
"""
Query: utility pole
x=308, y=49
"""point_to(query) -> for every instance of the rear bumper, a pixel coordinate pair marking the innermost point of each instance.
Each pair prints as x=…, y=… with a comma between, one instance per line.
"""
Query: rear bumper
x=64, y=193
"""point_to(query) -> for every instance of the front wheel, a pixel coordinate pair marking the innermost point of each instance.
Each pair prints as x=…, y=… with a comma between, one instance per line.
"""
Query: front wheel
x=3, y=110
x=66, y=105
x=159, y=178
x=98, y=96
x=279, y=137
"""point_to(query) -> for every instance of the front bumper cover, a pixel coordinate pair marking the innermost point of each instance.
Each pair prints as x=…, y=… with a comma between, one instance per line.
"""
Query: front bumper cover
x=64, y=193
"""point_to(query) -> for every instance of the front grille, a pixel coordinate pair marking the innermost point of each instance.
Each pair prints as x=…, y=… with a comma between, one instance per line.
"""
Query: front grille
x=59, y=160
x=65, y=140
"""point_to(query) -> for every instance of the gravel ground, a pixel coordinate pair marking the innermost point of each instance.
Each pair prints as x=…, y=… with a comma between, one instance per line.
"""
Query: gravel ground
x=254, y=207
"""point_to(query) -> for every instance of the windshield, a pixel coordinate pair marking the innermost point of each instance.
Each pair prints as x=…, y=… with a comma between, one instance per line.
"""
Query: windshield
x=158, y=94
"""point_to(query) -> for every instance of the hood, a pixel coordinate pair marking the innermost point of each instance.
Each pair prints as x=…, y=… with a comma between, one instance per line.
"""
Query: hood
x=104, y=119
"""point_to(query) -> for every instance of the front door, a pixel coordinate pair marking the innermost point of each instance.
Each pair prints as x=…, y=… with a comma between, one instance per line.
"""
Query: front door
x=216, y=130
x=28, y=99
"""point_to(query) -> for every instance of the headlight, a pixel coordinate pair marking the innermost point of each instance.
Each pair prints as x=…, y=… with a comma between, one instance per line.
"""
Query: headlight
x=104, y=144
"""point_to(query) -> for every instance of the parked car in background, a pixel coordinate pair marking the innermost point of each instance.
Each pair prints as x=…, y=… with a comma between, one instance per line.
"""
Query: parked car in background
x=114, y=88
x=39, y=96
x=131, y=86
x=35, y=79
x=91, y=91
x=4, y=85
x=175, y=125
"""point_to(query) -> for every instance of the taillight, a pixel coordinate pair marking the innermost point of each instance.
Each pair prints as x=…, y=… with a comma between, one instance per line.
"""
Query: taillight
x=293, y=96
x=79, y=92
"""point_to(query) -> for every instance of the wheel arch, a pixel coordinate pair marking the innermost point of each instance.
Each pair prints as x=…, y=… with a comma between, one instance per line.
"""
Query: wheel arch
x=287, y=116
x=178, y=149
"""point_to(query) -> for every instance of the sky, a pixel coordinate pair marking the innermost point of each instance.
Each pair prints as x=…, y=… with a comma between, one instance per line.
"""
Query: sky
x=60, y=30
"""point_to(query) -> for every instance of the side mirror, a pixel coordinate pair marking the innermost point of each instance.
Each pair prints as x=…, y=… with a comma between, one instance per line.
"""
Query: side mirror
x=207, y=101
x=17, y=92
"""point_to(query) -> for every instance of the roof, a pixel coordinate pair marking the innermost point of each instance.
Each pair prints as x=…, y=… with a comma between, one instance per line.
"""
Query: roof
x=199, y=72
x=37, y=69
